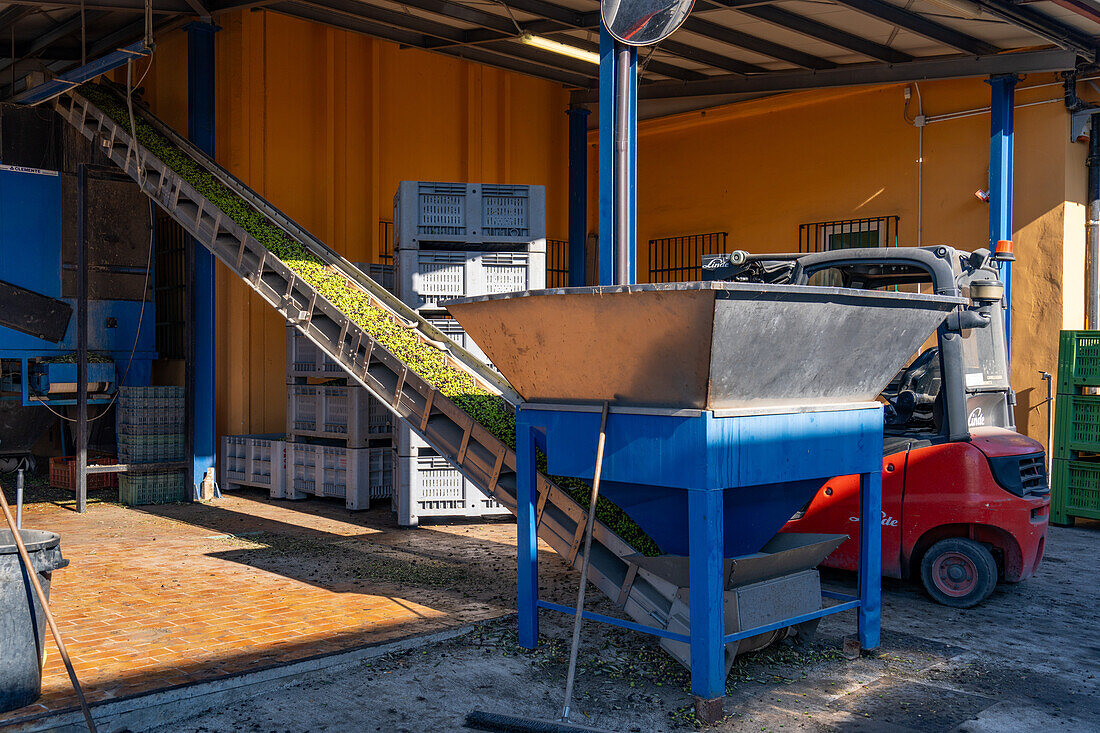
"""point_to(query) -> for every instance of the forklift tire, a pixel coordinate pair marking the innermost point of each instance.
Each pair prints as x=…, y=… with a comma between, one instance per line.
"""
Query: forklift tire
x=958, y=572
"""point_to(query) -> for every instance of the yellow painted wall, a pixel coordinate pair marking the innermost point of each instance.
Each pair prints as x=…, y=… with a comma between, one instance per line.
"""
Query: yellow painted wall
x=325, y=123
x=759, y=169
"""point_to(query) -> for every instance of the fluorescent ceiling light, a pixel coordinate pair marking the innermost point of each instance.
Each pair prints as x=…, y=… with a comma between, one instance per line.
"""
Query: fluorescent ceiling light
x=553, y=46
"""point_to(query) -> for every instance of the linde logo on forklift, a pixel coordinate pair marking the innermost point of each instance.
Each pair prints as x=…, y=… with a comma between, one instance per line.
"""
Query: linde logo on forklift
x=887, y=521
x=976, y=418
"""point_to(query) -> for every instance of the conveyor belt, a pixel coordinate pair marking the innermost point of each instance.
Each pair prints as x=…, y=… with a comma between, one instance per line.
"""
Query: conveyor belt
x=467, y=445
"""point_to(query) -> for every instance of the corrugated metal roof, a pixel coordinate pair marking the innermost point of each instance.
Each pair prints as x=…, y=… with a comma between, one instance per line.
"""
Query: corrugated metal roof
x=744, y=42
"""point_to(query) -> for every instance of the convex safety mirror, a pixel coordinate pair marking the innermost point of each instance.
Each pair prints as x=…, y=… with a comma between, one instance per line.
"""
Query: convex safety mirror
x=644, y=22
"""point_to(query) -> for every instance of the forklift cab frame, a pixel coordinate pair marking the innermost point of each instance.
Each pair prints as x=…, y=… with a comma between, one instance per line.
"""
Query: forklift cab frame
x=974, y=389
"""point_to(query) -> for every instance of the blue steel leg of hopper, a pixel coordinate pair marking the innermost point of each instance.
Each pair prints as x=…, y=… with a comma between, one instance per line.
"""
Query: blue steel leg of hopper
x=200, y=129
x=527, y=534
x=870, y=558
x=708, y=654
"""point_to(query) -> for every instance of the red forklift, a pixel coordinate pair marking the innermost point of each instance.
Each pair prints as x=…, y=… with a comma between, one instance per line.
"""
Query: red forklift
x=965, y=498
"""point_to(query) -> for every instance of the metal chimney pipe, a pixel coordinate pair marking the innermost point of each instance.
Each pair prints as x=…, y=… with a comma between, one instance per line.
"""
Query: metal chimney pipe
x=622, y=166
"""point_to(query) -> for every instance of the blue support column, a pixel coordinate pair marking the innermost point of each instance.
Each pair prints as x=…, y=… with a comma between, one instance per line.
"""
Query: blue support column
x=606, y=170
x=870, y=559
x=578, y=196
x=705, y=542
x=526, y=534
x=1001, y=172
x=200, y=130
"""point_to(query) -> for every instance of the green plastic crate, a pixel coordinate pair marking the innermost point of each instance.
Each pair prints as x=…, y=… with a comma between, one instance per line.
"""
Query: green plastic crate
x=1078, y=360
x=152, y=488
x=1076, y=425
x=1075, y=490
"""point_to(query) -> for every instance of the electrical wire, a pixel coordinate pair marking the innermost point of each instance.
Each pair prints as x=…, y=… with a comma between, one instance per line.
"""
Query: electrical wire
x=137, y=333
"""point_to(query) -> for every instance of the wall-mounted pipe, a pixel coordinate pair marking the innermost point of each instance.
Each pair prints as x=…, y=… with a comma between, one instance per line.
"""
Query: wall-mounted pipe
x=1092, y=230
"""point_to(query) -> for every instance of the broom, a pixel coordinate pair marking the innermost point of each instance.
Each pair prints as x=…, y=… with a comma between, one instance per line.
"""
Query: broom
x=498, y=723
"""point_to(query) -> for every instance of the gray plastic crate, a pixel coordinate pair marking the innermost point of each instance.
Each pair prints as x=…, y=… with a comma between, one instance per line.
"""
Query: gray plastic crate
x=162, y=487
x=356, y=475
x=426, y=212
x=336, y=412
x=426, y=278
x=150, y=448
x=428, y=486
x=150, y=411
x=254, y=460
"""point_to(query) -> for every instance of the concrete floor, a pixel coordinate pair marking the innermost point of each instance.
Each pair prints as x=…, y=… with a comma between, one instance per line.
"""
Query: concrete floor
x=1027, y=660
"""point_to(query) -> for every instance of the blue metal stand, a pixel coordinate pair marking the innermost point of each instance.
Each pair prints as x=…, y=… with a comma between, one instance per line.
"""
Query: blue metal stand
x=578, y=196
x=609, y=93
x=1001, y=174
x=720, y=485
x=200, y=129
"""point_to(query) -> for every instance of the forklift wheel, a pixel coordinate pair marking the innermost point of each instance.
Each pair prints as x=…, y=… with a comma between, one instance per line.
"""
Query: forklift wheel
x=958, y=572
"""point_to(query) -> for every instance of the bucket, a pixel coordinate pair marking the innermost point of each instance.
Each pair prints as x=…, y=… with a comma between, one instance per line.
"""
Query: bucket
x=22, y=620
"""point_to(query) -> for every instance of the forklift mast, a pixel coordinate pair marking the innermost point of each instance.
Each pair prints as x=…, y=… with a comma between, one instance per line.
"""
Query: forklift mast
x=973, y=357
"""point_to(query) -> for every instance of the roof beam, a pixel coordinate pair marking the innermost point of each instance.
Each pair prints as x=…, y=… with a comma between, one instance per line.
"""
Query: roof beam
x=922, y=26
x=1042, y=26
x=11, y=15
x=829, y=34
x=752, y=43
x=1027, y=62
x=518, y=59
x=132, y=6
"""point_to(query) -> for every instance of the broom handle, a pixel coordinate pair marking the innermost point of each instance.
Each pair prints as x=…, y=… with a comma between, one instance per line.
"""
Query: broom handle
x=46, y=609
x=577, y=618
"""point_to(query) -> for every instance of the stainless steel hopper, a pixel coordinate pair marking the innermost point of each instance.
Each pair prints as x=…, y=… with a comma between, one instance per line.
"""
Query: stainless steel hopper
x=702, y=345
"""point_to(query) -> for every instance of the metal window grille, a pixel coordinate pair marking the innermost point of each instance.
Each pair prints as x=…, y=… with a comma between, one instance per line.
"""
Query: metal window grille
x=385, y=242
x=825, y=236
x=680, y=259
x=172, y=304
x=557, y=263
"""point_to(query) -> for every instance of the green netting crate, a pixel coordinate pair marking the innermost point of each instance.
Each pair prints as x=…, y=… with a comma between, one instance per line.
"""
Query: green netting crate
x=1078, y=360
x=1075, y=490
x=162, y=487
x=1076, y=425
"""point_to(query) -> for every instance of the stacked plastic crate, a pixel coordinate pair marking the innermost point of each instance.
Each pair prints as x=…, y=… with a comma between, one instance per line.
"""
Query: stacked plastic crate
x=339, y=439
x=149, y=425
x=1075, y=485
x=453, y=240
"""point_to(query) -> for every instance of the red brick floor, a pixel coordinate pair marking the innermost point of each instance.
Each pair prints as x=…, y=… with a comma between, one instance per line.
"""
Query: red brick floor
x=162, y=596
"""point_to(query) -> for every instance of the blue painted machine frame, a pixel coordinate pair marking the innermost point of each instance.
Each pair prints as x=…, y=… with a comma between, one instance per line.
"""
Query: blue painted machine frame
x=705, y=454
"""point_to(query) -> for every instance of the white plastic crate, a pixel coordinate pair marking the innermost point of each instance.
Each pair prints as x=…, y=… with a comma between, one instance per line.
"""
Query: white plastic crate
x=426, y=278
x=426, y=212
x=356, y=475
x=304, y=359
x=452, y=330
x=428, y=486
x=254, y=460
x=336, y=412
